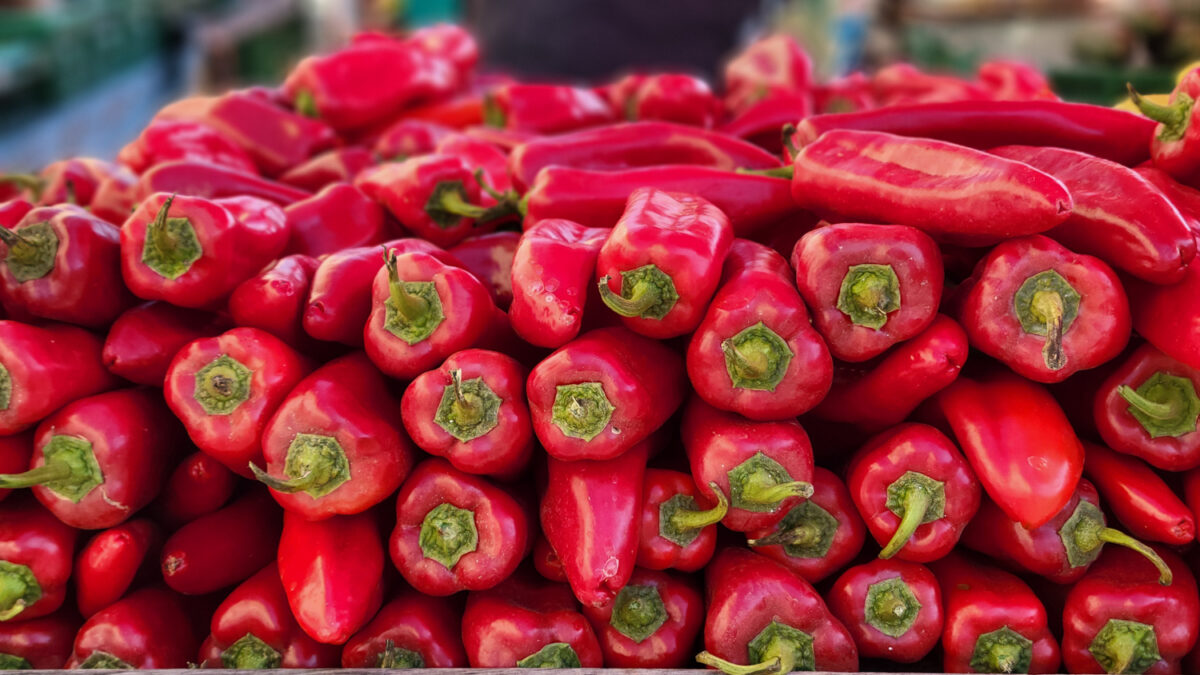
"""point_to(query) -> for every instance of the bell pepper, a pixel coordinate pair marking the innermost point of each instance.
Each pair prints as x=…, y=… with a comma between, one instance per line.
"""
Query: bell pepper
x=1175, y=147
x=15, y=452
x=339, y=165
x=332, y=572
x=1168, y=316
x=42, y=368
x=171, y=140
x=36, y=552
x=490, y=258
x=765, y=468
x=667, y=249
x=197, y=256
x=817, y=537
x=675, y=97
x=455, y=531
x=208, y=181
x=480, y=154
x=552, y=270
x=1138, y=497
x=406, y=138
x=99, y=460
x=761, y=122
x=42, y=644
x=870, y=286
x=223, y=548
x=892, y=608
x=914, y=490
x=147, y=629
x=762, y=614
x=199, y=485
x=1119, y=619
x=62, y=263
x=868, y=176
x=339, y=216
x=602, y=393
x=472, y=411
x=880, y=394
x=676, y=533
x=422, y=311
x=544, y=108
x=112, y=562
x=226, y=388
x=1060, y=550
x=411, y=631
x=274, y=300
x=144, y=339
x=528, y=623
x=770, y=64
x=1119, y=216
x=993, y=621
x=652, y=623
x=335, y=446
x=1019, y=443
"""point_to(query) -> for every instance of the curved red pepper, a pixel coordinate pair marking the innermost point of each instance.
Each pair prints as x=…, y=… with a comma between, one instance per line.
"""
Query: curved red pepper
x=207, y=181
x=274, y=299
x=406, y=138
x=1138, y=497
x=340, y=165
x=144, y=339
x=544, y=108
x=1148, y=408
x=892, y=608
x=36, y=552
x=1169, y=316
x=676, y=533
x=335, y=446
x=412, y=631
x=1175, y=146
x=112, y=561
x=148, y=629
x=652, y=623
x=223, y=548
x=43, y=644
x=490, y=258
x=339, y=216
x=762, y=122
x=171, y=140
x=472, y=411
x=552, y=271
x=770, y=64
x=199, y=485
x=15, y=452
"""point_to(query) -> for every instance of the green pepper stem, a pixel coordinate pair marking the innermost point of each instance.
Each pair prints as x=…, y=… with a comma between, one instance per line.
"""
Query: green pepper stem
x=1049, y=306
x=643, y=297
x=407, y=305
x=748, y=369
x=916, y=503
x=789, y=140
x=683, y=519
x=487, y=187
x=305, y=104
x=27, y=181
x=466, y=411
x=13, y=238
x=451, y=201
x=164, y=240
x=777, y=172
x=285, y=485
x=1159, y=411
x=1163, y=114
x=804, y=535
x=775, y=665
x=46, y=473
x=757, y=493
x=1121, y=539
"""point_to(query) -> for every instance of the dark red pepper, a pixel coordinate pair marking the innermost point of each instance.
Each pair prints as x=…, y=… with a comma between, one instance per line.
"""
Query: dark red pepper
x=274, y=300
x=167, y=141
x=552, y=272
x=652, y=623
x=1168, y=316
x=1138, y=497
x=208, y=181
x=340, y=165
x=144, y=339
x=36, y=552
x=112, y=561
x=408, y=138
x=676, y=533
x=147, y=629
x=544, y=108
x=892, y=608
x=43, y=644
x=412, y=631
x=490, y=258
x=224, y=547
x=199, y=485
x=339, y=216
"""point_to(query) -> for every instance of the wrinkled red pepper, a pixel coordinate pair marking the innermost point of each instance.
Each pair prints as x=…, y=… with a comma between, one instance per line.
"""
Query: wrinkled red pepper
x=544, y=108
x=274, y=300
x=199, y=485
x=676, y=533
x=1138, y=497
x=113, y=561
x=36, y=559
x=490, y=258
x=652, y=623
x=412, y=631
x=1169, y=316
x=340, y=165
x=224, y=547
x=43, y=644
x=208, y=181
x=1175, y=147
x=167, y=141
x=144, y=339
x=552, y=272
x=892, y=608
x=147, y=629
x=339, y=216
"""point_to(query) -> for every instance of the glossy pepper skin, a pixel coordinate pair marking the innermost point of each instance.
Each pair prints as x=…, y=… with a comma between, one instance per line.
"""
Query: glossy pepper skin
x=764, y=468
x=591, y=515
x=1184, y=198
x=206, y=181
x=883, y=393
x=339, y=165
x=1119, y=619
x=1175, y=147
x=662, y=262
x=1148, y=408
x=199, y=484
x=761, y=614
x=755, y=352
x=892, y=608
x=544, y=108
x=192, y=252
x=112, y=561
x=339, y=216
x=870, y=286
x=411, y=631
x=652, y=623
x=143, y=340
x=36, y=558
x=602, y=393
x=335, y=446
x=490, y=258
x=1139, y=497
x=43, y=643
x=998, y=420
x=472, y=411
x=147, y=629
x=171, y=140
x=274, y=299
x=1167, y=316
x=254, y=628
x=552, y=270
x=226, y=388
x=223, y=548
x=993, y=620
x=63, y=264
x=676, y=532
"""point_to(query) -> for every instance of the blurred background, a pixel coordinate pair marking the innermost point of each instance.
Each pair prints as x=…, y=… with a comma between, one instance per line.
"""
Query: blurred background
x=81, y=77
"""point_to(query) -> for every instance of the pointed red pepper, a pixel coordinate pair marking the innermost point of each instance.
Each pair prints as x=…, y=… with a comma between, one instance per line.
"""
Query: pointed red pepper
x=274, y=299
x=147, y=629
x=544, y=108
x=208, y=181
x=1168, y=316
x=36, y=558
x=892, y=608
x=1175, y=147
x=224, y=547
x=340, y=165
x=408, y=138
x=339, y=216
x=770, y=64
x=652, y=623
x=42, y=644
x=113, y=561
x=171, y=140
x=1139, y=497
x=552, y=271
x=199, y=485
x=490, y=258
x=144, y=339
x=676, y=531
x=15, y=452
x=412, y=631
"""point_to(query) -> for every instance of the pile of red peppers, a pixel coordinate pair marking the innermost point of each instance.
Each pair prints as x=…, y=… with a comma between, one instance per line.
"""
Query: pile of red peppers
x=401, y=365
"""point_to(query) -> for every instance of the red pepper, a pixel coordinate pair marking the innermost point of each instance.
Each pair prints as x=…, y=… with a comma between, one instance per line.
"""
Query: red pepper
x=528, y=623
x=115, y=198
x=994, y=622
x=167, y=141
x=62, y=263
x=208, y=181
x=762, y=614
x=332, y=572
x=199, y=485
x=223, y=548
x=676, y=533
x=817, y=537
x=13, y=210
x=849, y=93
x=112, y=561
x=337, y=217
x=42, y=644
x=448, y=41
x=490, y=258
x=652, y=623
x=675, y=97
x=602, y=393
x=147, y=629
x=756, y=353
x=597, y=198
x=1018, y=441
x=1014, y=81
x=472, y=411
x=1148, y=408
x=408, y=138
x=1182, y=197
x=412, y=631
x=226, y=388
x=914, y=490
x=197, y=256
x=144, y=339
x=634, y=145
x=1176, y=143
x=1119, y=216
x=1060, y=550
x=274, y=300
x=552, y=271
x=479, y=153
x=1139, y=498
x=99, y=460
x=42, y=368
x=546, y=561
x=15, y=452
x=74, y=180
x=1043, y=310
x=764, y=467
x=460, y=112
x=36, y=552
x=775, y=63
x=455, y=531
x=544, y=108
x=1119, y=619
x=340, y=165
x=762, y=122
x=890, y=389
x=904, y=83
x=1169, y=316
x=335, y=446
x=892, y=608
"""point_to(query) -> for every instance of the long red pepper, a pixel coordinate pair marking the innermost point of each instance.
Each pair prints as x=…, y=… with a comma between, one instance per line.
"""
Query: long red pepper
x=207, y=181
x=274, y=299
x=111, y=563
x=144, y=339
x=340, y=165
x=652, y=623
x=223, y=548
x=1175, y=147
x=552, y=271
x=411, y=631
x=892, y=608
x=339, y=216
x=676, y=533
x=36, y=558
x=171, y=140
x=147, y=629
x=1138, y=497
x=1169, y=316
x=43, y=643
